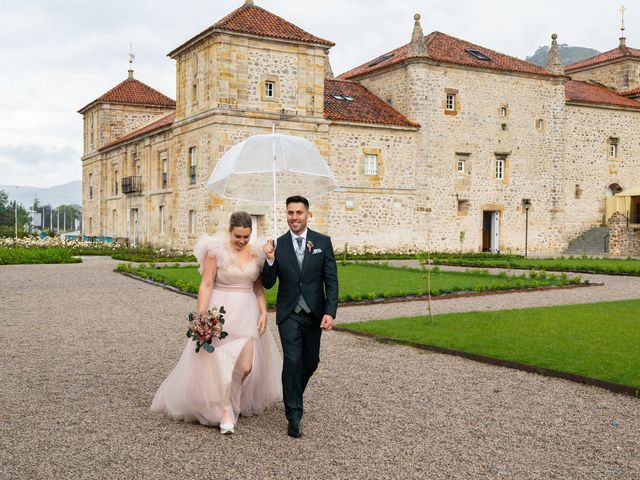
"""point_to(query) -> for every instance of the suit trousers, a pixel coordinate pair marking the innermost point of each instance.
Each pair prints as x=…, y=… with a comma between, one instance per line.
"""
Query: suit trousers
x=300, y=337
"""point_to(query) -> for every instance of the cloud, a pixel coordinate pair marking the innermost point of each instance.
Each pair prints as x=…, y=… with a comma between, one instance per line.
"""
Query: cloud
x=38, y=165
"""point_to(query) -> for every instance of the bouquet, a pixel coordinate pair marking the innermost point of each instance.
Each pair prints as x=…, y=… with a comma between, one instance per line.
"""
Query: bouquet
x=203, y=328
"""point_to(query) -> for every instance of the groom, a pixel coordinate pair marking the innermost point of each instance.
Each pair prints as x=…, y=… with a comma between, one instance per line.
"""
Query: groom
x=307, y=302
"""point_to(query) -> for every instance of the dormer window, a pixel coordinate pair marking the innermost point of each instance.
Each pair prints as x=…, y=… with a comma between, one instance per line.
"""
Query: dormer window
x=503, y=111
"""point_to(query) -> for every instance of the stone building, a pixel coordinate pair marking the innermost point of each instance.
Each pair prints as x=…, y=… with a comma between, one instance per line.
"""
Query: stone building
x=428, y=140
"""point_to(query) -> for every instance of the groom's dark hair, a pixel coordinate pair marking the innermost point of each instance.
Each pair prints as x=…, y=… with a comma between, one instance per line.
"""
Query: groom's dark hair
x=298, y=199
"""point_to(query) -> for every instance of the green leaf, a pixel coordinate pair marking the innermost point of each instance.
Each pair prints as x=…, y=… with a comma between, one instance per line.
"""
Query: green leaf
x=197, y=349
x=222, y=310
x=189, y=333
x=223, y=335
x=208, y=347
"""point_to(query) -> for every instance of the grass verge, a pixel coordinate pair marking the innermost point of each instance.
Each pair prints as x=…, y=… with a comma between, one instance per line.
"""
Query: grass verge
x=598, y=340
x=360, y=282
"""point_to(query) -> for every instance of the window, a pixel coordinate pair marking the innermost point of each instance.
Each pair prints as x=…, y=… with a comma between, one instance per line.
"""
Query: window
x=192, y=165
x=370, y=164
x=114, y=214
x=503, y=111
x=348, y=98
x=90, y=186
x=194, y=93
x=540, y=124
x=138, y=167
x=269, y=89
x=613, y=147
x=501, y=162
x=165, y=173
x=383, y=58
x=91, y=126
x=477, y=54
x=161, y=219
x=115, y=182
x=451, y=101
x=461, y=162
x=192, y=221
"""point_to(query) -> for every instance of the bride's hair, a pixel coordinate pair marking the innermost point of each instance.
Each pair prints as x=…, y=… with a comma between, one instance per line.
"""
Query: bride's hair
x=240, y=219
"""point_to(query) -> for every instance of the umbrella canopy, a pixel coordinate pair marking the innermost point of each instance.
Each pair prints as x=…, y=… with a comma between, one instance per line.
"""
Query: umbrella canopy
x=271, y=168
x=246, y=170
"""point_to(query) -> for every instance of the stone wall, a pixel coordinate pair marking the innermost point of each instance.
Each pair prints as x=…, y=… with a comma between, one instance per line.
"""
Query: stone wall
x=589, y=168
x=229, y=72
x=112, y=121
x=624, y=239
x=478, y=129
x=621, y=75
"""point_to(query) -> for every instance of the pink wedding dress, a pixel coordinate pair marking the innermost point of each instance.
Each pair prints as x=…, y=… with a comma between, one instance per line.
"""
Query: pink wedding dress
x=204, y=386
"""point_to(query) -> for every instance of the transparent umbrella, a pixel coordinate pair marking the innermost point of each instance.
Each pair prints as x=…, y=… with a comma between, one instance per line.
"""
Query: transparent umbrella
x=269, y=168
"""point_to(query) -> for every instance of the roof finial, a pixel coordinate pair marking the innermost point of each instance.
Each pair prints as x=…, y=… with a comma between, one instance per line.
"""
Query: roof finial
x=554, y=64
x=623, y=40
x=418, y=47
x=248, y=2
x=131, y=59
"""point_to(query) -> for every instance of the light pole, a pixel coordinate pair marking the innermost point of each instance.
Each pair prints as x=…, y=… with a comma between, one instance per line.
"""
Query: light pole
x=526, y=203
x=15, y=214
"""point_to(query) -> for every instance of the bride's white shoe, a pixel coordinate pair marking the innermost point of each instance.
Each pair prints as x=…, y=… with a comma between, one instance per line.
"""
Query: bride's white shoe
x=227, y=428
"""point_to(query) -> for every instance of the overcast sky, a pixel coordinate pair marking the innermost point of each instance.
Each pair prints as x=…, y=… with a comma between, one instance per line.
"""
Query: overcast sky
x=58, y=55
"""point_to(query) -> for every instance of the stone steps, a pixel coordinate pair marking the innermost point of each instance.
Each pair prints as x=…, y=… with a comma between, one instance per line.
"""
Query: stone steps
x=590, y=242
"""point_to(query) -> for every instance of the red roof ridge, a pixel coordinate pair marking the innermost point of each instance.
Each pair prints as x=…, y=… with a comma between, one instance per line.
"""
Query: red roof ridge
x=608, y=56
x=133, y=92
x=363, y=106
x=165, y=121
x=585, y=92
x=630, y=93
x=254, y=20
x=448, y=49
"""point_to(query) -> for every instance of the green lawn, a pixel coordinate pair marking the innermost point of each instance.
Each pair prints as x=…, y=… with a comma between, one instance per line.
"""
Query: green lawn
x=599, y=340
x=368, y=281
x=597, y=265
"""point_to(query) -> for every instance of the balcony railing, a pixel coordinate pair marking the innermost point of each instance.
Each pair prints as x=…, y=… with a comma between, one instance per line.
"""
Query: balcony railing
x=131, y=184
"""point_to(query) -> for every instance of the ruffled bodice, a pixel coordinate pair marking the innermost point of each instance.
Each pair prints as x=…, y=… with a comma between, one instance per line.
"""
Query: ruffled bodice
x=230, y=272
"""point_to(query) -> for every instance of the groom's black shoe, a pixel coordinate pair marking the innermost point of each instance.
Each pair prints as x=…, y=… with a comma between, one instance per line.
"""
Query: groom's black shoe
x=294, y=430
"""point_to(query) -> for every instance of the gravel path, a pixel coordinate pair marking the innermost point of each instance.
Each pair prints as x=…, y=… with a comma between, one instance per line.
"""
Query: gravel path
x=75, y=404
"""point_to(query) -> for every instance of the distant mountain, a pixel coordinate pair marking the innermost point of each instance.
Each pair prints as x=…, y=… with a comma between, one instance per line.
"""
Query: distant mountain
x=65, y=194
x=568, y=55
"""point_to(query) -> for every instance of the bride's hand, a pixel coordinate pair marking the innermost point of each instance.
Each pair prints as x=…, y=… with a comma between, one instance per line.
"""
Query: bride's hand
x=262, y=323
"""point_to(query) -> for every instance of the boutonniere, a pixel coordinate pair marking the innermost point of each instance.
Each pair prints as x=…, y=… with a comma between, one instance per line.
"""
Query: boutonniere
x=309, y=245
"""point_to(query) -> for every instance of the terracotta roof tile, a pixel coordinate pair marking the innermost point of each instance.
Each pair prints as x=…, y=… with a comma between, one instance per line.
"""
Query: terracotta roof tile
x=365, y=107
x=611, y=55
x=163, y=122
x=258, y=21
x=447, y=49
x=576, y=91
x=133, y=92
x=631, y=93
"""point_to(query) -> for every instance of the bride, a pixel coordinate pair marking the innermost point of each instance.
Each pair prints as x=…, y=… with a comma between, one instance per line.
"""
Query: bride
x=242, y=375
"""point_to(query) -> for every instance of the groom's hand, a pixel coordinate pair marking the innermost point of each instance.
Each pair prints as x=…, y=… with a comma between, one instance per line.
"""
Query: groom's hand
x=327, y=323
x=269, y=251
